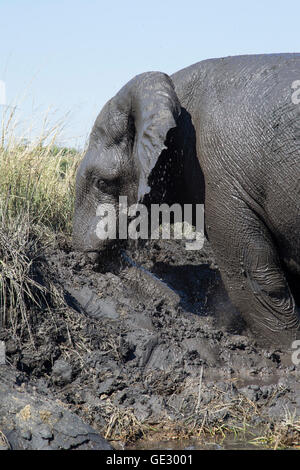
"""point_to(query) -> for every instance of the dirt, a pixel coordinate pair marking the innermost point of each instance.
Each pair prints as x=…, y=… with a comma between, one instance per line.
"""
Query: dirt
x=149, y=344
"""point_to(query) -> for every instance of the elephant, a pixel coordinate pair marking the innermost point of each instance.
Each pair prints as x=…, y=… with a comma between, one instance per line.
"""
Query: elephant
x=225, y=133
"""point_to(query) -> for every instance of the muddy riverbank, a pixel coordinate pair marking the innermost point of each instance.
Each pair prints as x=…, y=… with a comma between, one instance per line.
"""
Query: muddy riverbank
x=149, y=344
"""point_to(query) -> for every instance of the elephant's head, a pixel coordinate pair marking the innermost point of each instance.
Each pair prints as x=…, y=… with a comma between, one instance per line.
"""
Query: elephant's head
x=128, y=138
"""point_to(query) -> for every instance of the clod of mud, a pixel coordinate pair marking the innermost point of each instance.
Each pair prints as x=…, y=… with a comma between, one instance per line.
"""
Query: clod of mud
x=140, y=279
x=89, y=303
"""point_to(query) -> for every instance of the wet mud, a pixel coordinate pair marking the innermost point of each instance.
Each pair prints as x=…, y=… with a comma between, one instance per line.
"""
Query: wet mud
x=149, y=344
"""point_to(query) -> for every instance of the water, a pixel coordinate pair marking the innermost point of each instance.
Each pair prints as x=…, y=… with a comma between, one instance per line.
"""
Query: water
x=229, y=443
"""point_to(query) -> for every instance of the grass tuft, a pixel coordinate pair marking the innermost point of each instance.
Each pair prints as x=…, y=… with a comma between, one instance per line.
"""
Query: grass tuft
x=36, y=200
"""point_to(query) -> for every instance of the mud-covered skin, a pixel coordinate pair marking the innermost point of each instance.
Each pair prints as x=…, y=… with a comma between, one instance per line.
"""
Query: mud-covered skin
x=237, y=135
x=249, y=151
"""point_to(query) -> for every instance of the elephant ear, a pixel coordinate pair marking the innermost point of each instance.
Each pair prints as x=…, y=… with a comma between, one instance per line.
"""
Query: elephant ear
x=155, y=109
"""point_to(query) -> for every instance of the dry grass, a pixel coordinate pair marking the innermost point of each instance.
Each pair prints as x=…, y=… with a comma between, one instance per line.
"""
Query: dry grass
x=36, y=202
x=122, y=423
x=18, y=288
x=283, y=434
x=3, y=441
x=37, y=178
x=199, y=425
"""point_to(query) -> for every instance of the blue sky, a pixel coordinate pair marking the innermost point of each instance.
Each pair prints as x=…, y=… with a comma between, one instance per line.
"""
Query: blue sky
x=74, y=55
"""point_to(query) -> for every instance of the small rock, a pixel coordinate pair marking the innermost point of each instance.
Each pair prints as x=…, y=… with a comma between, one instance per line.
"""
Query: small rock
x=121, y=397
x=62, y=372
x=254, y=387
x=249, y=393
x=106, y=387
x=45, y=432
x=26, y=434
x=142, y=412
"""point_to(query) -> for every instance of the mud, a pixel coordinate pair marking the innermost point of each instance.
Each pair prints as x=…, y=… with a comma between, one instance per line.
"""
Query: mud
x=149, y=343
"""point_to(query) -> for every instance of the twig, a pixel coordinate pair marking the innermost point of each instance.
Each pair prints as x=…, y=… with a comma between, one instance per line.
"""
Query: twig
x=199, y=390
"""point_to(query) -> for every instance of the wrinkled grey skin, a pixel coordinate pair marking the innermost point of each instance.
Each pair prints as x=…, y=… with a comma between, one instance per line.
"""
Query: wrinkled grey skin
x=234, y=125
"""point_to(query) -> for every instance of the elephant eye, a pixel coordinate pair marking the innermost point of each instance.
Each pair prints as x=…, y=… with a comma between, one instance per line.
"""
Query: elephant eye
x=104, y=186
